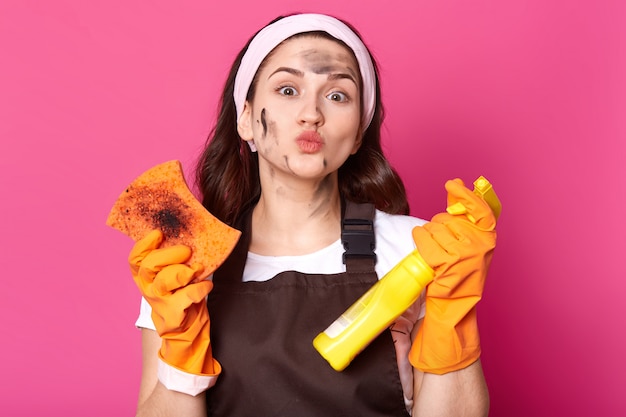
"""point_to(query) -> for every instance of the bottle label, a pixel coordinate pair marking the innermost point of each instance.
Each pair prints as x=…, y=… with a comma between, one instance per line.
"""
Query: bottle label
x=350, y=314
x=337, y=327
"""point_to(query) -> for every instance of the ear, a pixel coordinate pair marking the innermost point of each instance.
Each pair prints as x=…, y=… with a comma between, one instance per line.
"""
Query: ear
x=244, y=124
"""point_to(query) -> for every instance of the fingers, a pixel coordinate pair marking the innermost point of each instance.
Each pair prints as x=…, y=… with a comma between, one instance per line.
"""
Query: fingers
x=447, y=237
x=174, y=277
x=452, y=232
x=197, y=292
x=184, y=297
x=434, y=252
x=158, y=259
x=144, y=246
x=462, y=201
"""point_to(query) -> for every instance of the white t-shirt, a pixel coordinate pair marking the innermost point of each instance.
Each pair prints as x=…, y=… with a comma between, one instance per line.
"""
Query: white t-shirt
x=394, y=241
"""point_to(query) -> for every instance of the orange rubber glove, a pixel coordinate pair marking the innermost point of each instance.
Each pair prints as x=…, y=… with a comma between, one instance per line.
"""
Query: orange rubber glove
x=179, y=308
x=458, y=245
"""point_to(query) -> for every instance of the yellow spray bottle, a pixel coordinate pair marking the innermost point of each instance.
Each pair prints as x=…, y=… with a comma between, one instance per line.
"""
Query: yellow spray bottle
x=385, y=301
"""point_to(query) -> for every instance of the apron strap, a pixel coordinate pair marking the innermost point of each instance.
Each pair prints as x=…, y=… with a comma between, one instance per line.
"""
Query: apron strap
x=232, y=268
x=358, y=238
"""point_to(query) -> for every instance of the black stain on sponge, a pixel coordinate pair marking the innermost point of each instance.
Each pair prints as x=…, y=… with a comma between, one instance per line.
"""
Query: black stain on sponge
x=168, y=220
x=164, y=210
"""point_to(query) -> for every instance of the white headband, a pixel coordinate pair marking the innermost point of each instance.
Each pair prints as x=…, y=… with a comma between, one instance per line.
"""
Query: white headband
x=270, y=36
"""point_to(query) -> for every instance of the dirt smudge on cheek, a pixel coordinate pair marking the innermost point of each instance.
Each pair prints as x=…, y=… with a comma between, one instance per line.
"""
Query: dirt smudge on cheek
x=262, y=145
x=264, y=122
x=269, y=126
x=268, y=130
x=272, y=131
x=286, y=160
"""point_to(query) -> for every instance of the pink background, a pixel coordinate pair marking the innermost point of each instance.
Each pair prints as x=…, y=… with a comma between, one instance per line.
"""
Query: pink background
x=530, y=94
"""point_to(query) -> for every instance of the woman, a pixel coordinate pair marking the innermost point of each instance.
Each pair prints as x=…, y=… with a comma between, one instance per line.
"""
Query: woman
x=296, y=145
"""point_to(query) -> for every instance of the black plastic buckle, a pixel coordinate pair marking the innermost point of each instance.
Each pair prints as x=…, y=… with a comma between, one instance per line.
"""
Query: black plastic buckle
x=358, y=239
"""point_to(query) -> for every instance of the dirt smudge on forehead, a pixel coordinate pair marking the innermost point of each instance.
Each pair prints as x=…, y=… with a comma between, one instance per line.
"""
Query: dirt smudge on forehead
x=325, y=62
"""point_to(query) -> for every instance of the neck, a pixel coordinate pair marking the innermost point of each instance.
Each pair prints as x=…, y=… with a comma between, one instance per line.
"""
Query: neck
x=296, y=218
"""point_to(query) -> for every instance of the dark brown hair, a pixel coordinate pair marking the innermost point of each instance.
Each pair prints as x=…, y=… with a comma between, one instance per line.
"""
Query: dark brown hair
x=227, y=170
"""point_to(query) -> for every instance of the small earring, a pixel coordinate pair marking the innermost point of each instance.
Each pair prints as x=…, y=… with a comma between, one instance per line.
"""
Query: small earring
x=252, y=145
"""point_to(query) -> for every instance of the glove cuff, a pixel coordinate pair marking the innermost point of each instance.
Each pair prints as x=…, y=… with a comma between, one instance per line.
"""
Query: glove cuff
x=441, y=347
x=190, y=351
x=178, y=380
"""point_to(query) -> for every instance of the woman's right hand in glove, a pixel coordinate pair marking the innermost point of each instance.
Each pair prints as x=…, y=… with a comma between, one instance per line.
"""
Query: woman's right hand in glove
x=178, y=302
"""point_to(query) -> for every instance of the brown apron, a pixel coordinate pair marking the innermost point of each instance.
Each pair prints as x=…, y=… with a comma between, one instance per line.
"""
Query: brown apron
x=262, y=334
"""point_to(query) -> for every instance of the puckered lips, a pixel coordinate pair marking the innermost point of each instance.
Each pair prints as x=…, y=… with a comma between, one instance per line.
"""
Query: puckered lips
x=310, y=141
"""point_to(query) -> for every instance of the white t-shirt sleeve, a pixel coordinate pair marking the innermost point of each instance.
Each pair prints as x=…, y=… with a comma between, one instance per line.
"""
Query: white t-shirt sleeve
x=144, y=321
x=394, y=239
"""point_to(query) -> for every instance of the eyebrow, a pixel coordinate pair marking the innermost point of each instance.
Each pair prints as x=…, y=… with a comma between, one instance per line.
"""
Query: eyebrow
x=331, y=75
x=341, y=75
x=293, y=71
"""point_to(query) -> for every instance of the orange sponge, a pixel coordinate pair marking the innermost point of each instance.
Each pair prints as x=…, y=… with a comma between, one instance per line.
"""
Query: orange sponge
x=160, y=199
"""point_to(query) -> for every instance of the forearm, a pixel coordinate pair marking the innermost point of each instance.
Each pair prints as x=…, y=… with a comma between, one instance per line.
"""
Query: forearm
x=162, y=402
x=459, y=393
x=155, y=400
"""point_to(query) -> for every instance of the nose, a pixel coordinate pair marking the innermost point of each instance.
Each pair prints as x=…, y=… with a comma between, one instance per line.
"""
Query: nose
x=311, y=111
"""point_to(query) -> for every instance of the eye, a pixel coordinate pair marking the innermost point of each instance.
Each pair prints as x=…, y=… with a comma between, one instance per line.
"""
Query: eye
x=337, y=96
x=287, y=91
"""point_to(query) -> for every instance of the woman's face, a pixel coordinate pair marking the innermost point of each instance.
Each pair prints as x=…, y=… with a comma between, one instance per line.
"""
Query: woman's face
x=305, y=115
